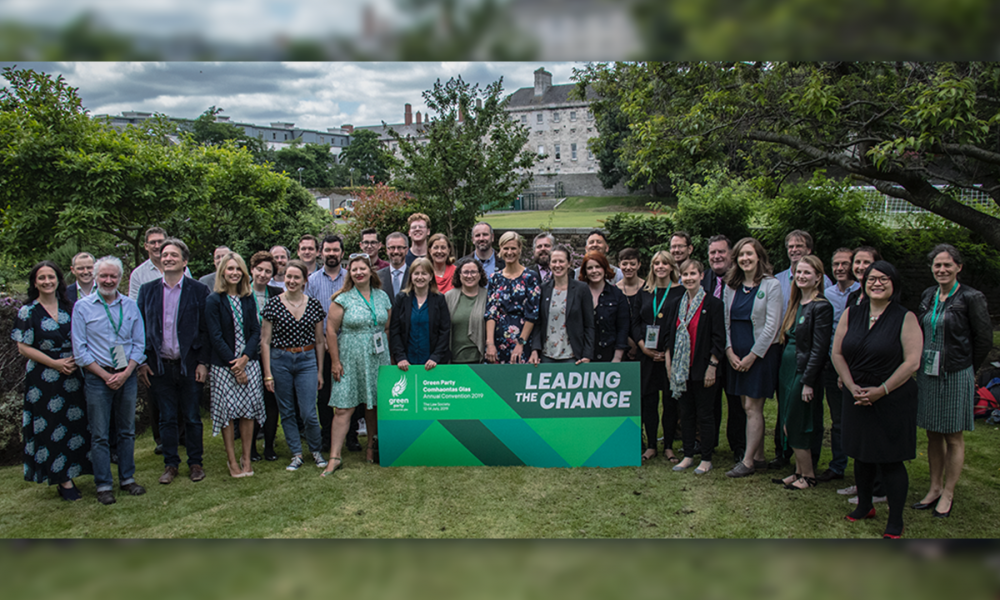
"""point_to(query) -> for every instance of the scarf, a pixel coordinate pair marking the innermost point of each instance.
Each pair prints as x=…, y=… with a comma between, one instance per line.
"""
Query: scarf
x=680, y=364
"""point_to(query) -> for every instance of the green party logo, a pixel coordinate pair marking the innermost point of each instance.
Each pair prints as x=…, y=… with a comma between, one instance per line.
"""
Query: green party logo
x=760, y=295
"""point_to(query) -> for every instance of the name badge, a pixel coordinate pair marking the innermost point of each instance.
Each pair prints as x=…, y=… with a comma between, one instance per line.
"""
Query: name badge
x=932, y=363
x=118, y=358
x=379, y=340
x=652, y=336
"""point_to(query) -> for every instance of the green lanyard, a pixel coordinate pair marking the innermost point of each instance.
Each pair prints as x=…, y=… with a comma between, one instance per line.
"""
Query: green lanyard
x=658, y=307
x=370, y=307
x=107, y=311
x=935, y=315
x=237, y=311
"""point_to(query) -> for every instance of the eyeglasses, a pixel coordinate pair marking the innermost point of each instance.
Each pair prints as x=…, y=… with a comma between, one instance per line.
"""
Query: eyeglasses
x=369, y=242
x=417, y=227
x=883, y=280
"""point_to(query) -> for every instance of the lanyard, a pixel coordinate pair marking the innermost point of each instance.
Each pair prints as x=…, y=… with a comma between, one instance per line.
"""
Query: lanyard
x=657, y=307
x=935, y=315
x=107, y=311
x=237, y=311
x=371, y=308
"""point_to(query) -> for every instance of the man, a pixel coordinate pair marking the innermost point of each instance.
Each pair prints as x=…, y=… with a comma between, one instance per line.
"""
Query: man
x=482, y=241
x=393, y=277
x=681, y=247
x=370, y=246
x=420, y=229
x=208, y=280
x=108, y=344
x=322, y=284
x=541, y=252
x=150, y=269
x=280, y=254
x=177, y=356
x=798, y=243
x=597, y=241
x=837, y=295
x=719, y=260
x=82, y=268
x=307, y=250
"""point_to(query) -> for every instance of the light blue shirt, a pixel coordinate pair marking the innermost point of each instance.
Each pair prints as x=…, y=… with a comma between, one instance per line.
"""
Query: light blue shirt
x=320, y=286
x=839, y=299
x=94, y=336
x=489, y=266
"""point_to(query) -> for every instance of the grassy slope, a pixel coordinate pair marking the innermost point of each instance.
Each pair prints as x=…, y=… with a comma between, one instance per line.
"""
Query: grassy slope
x=575, y=211
x=500, y=502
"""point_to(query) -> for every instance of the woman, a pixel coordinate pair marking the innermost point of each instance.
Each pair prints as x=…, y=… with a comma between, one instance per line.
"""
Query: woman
x=631, y=284
x=957, y=335
x=565, y=331
x=357, y=335
x=695, y=346
x=611, y=315
x=234, y=335
x=649, y=325
x=466, y=304
x=54, y=425
x=291, y=348
x=262, y=269
x=876, y=350
x=753, y=317
x=512, y=305
x=439, y=250
x=864, y=256
x=806, y=332
x=420, y=328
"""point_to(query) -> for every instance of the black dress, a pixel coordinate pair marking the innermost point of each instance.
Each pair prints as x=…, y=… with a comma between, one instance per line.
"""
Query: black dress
x=886, y=431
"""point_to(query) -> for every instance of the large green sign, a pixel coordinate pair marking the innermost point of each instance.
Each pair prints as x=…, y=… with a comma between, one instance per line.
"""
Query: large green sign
x=552, y=415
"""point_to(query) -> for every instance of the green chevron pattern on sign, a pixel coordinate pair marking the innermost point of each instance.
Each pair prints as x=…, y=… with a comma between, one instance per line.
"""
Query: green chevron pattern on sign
x=552, y=415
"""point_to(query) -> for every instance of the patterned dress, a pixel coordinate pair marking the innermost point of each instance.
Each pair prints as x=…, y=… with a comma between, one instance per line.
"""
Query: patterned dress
x=510, y=304
x=54, y=423
x=361, y=322
x=945, y=402
x=230, y=400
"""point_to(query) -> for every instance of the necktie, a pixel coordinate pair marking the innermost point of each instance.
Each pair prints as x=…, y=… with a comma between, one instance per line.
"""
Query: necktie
x=395, y=282
x=718, y=288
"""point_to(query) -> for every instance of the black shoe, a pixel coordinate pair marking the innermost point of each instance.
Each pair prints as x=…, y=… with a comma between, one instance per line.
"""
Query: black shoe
x=352, y=444
x=758, y=465
x=255, y=456
x=158, y=449
x=70, y=494
x=270, y=454
x=943, y=515
x=106, y=497
x=777, y=462
x=926, y=505
x=829, y=475
x=697, y=449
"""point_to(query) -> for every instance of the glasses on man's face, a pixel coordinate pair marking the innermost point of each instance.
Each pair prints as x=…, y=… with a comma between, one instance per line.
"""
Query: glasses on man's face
x=417, y=227
x=369, y=242
x=154, y=243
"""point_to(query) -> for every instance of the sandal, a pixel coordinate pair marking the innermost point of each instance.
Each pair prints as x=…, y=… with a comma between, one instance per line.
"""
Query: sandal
x=646, y=456
x=340, y=463
x=672, y=458
x=787, y=480
x=809, y=481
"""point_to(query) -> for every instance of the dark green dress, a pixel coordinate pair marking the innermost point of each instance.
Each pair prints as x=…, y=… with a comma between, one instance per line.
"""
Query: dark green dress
x=798, y=417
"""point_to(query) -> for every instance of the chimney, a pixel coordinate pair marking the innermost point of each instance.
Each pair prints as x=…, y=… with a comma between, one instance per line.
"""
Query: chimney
x=408, y=115
x=418, y=118
x=347, y=127
x=543, y=81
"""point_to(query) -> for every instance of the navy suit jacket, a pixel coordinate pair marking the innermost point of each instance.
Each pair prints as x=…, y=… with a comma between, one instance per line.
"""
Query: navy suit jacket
x=192, y=333
x=222, y=334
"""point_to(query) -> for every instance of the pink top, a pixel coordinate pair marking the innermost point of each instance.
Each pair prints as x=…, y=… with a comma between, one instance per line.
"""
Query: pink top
x=171, y=301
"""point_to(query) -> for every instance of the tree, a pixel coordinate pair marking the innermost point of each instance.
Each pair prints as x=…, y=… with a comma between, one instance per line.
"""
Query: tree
x=64, y=176
x=366, y=159
x=904, y=128
x=207, y=130
x=319, y=167
x=466, y=167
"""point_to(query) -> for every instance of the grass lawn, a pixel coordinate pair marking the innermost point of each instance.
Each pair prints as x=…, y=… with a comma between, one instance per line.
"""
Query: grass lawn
x=575, y=211
x=368, y=501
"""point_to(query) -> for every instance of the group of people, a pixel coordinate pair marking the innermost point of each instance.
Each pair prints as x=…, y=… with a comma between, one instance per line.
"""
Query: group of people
x=303, y=339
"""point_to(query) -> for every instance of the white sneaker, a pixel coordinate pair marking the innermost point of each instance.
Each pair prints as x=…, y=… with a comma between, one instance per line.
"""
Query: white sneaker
x=295, y=464
x=362, y=427
x=848, y=491
x=875, y=499
x=318, y=457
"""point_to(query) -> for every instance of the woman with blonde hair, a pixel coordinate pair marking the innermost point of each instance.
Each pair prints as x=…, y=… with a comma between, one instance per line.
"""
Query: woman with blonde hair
x=234, y=335
x=512, y=305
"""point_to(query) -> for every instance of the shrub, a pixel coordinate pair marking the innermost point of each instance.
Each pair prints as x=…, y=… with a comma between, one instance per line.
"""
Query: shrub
x=12, y=374
x=723, y=205
x=647, y=234
x=382, y=207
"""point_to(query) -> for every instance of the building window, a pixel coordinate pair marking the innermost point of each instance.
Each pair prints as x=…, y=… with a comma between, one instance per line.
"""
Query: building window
x=524, y=119
x=572, y=115
x=558, y=156
x=590, y=155
x=541, y=150
x=286, y=136
x=572, y=151
x=555, y=117
x=321, y=140
x=541, y=118
x=590, y=116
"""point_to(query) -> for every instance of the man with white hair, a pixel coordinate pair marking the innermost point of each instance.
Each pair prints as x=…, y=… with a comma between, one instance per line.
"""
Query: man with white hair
x=109, y=344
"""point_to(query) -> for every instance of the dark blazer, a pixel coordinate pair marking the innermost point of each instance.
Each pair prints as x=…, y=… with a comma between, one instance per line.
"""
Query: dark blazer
x=709, y=338
x=222, y=334
x=500, y=264
x=652, y=374
x=813, y=333
x=72, y=293
x=612, y=319
x=708, y=281
x=385, y=278
x=968, y=331
x=579, y=319
x=439, y=323
x=192, y=334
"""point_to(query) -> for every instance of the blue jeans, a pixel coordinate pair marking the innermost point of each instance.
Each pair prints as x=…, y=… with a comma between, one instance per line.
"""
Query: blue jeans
x=178, y=394
x=103, y=404
x=295, y=381
x=835, y=400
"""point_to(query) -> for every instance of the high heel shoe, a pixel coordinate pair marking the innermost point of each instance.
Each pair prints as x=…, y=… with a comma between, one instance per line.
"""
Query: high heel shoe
x=925, y=505
x=892, y=536
x=810, y=483
x=870, y=515
x=942, y=515
x=794, y=476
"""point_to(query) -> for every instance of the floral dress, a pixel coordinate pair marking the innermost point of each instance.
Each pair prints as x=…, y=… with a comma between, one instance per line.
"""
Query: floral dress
x=511, y=303
x=54, y=422
x=362, y=320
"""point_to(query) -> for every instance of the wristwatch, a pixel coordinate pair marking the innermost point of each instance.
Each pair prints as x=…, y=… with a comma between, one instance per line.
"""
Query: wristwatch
x=522, y=342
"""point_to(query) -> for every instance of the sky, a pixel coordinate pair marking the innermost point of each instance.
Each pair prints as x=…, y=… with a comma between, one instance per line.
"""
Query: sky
x=312, y=95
